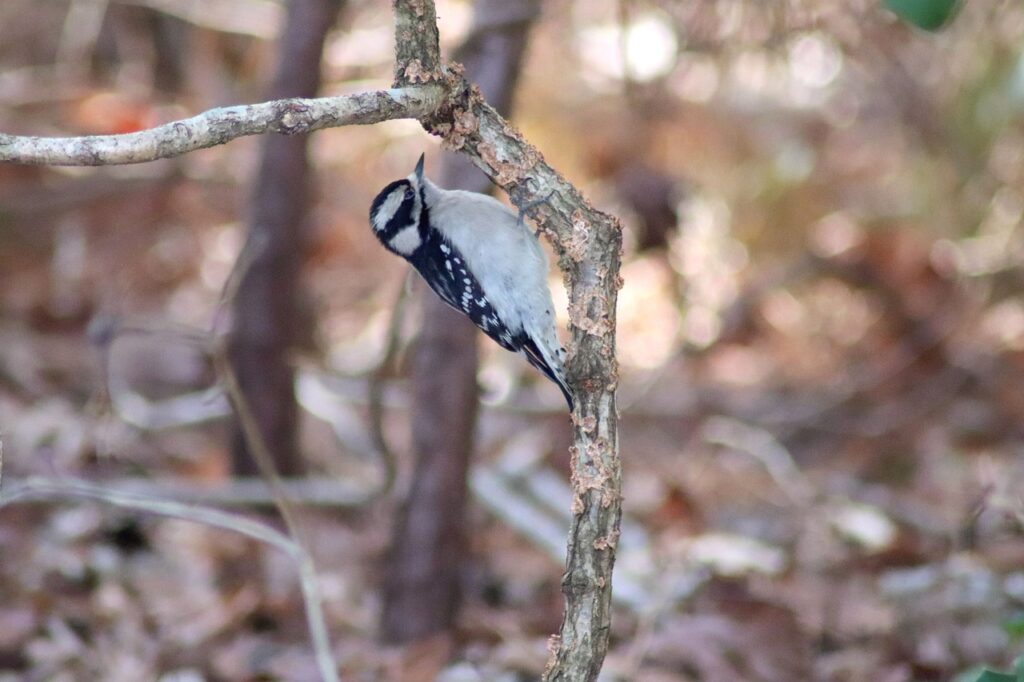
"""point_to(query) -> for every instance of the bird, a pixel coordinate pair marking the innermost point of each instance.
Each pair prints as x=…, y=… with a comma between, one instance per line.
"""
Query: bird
x=481, y=259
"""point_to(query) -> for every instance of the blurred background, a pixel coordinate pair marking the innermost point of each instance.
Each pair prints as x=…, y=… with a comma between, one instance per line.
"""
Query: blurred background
x=821, y=340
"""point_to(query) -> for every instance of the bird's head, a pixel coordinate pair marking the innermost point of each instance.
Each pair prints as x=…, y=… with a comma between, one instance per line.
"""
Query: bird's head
x=396, y=212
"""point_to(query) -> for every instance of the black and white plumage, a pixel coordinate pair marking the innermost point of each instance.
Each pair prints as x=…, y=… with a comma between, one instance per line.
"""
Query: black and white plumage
x=479, y=257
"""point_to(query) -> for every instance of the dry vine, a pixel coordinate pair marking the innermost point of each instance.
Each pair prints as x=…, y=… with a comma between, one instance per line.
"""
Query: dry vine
x=586, y=240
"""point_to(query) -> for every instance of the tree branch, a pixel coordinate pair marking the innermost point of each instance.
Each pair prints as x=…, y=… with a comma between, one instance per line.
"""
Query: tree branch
x=589, y=244
x=417, y=42
x=217, y=126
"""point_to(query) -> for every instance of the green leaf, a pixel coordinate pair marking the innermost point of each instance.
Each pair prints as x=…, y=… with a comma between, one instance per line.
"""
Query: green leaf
x=969, y=675
x=1015, y=626
x=991, y=676
x=927, y=14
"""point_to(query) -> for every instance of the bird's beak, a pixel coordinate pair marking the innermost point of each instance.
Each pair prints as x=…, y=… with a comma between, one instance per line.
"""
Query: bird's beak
x=419, y=167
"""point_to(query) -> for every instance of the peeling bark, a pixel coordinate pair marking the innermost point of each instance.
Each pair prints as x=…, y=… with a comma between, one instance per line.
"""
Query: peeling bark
x=417, y=43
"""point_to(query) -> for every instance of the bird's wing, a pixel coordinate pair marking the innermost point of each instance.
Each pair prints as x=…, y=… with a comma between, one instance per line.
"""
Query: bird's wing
x=446, y=273
x=439, y=277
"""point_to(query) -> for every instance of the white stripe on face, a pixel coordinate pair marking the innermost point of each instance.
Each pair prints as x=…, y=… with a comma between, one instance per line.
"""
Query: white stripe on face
x=388, y=209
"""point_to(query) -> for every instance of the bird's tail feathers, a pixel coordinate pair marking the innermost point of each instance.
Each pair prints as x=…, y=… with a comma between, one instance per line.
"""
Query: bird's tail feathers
x=535, y=356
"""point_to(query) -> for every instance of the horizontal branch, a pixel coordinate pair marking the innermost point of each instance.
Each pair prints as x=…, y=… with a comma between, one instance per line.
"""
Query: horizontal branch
x=217, y=126
x=48, y=489
x=44, y=488
x=237, y=492
x=257, y=18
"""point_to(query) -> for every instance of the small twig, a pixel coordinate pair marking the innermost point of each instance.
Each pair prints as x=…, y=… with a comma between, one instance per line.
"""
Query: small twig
x=217, y=126
x=253, y=247
x=766, y=449
x=238, y=492
x=82, y=25
x=39, y=488
x=375, y=387
x=257, y=446
x=265, y=463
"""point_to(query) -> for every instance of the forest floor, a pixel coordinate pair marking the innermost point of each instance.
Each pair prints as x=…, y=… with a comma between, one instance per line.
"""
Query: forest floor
x=830, y=491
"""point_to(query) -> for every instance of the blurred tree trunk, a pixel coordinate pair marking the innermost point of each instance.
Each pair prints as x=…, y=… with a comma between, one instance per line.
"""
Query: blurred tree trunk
x=267, y=318
x=422, y=583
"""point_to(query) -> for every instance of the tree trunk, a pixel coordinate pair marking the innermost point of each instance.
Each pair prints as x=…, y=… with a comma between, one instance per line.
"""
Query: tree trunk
x=422, y=587
x=267, y=318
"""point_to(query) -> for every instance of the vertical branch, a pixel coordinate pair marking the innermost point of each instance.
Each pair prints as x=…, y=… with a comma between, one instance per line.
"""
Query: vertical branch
x=267, y=320
x=417, y=43
x=590, y=255
x=588, y=243
x=422, y=590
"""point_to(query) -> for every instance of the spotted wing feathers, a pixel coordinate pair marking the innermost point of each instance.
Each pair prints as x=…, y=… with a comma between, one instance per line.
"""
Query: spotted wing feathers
x=444, y=269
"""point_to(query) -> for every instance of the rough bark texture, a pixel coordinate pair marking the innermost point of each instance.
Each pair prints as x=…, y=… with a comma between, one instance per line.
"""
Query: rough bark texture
x=267, y=322
x=417, y=43
x=422, y=590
